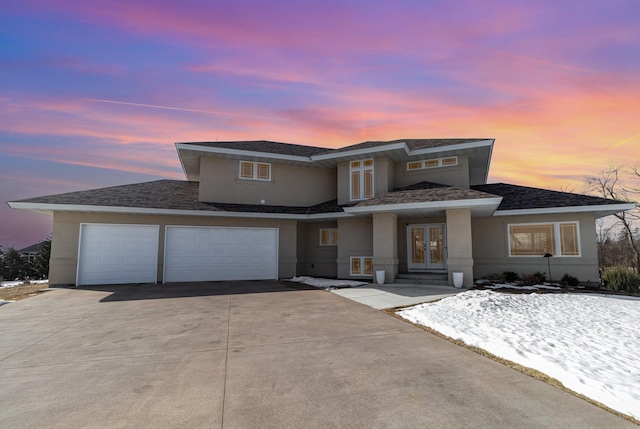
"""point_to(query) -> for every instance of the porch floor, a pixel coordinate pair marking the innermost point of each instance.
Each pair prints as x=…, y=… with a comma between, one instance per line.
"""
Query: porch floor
x=396, y=294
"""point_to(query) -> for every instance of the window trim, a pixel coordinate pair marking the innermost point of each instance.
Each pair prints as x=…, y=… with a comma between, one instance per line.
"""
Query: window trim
x=439, y=163
x=255, y=165
x=332, y=235
x=362, y=171
x=557, y=240
x=363, y=263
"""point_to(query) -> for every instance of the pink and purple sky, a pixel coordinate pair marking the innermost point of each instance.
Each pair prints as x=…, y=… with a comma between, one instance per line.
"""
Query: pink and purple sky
x=96, y=93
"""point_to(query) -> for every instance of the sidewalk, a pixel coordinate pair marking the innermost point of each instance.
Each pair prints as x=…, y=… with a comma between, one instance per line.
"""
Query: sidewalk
x=396, y=294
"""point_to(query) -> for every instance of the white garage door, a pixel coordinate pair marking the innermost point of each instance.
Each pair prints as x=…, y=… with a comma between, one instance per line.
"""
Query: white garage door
x=117, y=254
x=217, y=253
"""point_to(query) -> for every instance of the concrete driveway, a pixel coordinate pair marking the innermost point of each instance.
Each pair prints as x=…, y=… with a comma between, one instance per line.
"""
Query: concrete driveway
x=252, y=355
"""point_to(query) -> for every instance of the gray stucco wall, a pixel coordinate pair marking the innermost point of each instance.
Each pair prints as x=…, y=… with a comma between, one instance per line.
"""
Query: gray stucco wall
x=313, y=259
x=457, y=175
x=491, y=248
x=355, y=238
x=292, y=185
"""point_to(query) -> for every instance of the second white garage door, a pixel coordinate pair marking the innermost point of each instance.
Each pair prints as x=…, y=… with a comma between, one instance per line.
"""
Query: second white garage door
x=220, y=253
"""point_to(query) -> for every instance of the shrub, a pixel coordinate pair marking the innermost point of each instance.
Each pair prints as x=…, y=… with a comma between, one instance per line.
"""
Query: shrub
x=621, y=279
x=534, y=279
x=510, y=276
x=569, y=280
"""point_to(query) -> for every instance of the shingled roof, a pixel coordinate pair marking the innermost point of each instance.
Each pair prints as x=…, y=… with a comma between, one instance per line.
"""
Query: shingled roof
x=168, y=195
x=264, y=146
x=425, y=192
x=517, y=197
x=183, y=195
x=412, y=144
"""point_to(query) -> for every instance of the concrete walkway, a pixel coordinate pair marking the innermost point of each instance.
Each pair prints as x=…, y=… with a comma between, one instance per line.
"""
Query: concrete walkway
x=396, y=294
x=252, y=355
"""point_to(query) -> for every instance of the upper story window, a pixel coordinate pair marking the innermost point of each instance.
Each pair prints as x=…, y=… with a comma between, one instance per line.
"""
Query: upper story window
x=536, y=239
x=361, y=173
x=255, y=170
x=432, y=163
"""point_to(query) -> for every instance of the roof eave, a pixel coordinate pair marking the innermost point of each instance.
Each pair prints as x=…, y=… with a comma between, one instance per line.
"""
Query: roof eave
x=49, y=209
x=599, y=210
x=349, y=154
x=479, y=206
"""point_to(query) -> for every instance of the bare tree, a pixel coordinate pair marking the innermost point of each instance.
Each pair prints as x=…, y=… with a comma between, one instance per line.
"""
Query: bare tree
x=610, y=183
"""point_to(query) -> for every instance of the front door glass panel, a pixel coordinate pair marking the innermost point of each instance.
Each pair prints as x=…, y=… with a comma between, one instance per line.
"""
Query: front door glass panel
x=426, y=247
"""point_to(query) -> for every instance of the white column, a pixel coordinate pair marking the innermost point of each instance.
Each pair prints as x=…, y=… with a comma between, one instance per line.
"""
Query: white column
x=459, y=249
x=385, y=244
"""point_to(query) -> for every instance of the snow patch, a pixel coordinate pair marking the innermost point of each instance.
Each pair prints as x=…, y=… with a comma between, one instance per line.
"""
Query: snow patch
x=21, y=282
x=326, y=283
x=587, y=342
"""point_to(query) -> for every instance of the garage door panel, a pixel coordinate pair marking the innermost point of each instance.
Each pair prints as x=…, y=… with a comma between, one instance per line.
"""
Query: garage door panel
x=220, y=253
x=116, y=254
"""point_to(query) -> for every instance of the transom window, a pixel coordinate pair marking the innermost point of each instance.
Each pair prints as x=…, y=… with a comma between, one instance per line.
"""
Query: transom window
x=432, y=163
x=255, y=170
x=536, y=239
x=361, y=173
x=329, y=237
x=361, y=266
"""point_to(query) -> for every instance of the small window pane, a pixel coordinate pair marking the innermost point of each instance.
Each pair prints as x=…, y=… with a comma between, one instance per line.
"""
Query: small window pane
x=368, y=184
x=263, y=171
x=355, y=185
x=368, y=162
x=355, y=164
x=450, y=161
x=569, y=239
x=415, y=165
x=368, y=266
x=430, y=163
x=324, y=237
x=355, y=266
x=334, y=237
x=531, y=240
x=246, y=170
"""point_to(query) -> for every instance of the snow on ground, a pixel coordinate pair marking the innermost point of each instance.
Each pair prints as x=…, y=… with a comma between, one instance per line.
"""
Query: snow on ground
x=326, y=283
x=21, y=282
x=588, y=342
x=519, y=287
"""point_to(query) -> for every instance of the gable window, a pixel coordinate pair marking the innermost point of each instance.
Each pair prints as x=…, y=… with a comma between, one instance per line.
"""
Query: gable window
x=329, y=237
x=255, y=170
x=432, y=163
x=361, y=174
x=361, y=266
x=536, y=239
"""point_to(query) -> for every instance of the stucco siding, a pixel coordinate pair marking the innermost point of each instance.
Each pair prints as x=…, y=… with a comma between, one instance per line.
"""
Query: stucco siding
x=491, y=248
x=355, y=238
x=66, y=227
x=313, y=259
x=290, y=185
x=453, y=176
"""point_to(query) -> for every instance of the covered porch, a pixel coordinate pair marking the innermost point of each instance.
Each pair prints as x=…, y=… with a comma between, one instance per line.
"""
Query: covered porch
x=424, y=230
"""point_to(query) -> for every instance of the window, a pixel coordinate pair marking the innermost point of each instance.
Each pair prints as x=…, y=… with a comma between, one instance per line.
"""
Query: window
x=255, y=170
x=414, y=165
x=328, y=237
x=536, y=239
x=432, y=163
x=361, y=179
x=361, y=266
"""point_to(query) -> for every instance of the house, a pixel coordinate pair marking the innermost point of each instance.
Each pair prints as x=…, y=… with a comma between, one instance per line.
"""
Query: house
x=29, y=252
x=267, y=210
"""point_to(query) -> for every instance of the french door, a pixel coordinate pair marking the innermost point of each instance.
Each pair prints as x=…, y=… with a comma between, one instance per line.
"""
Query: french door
x=426, y=247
